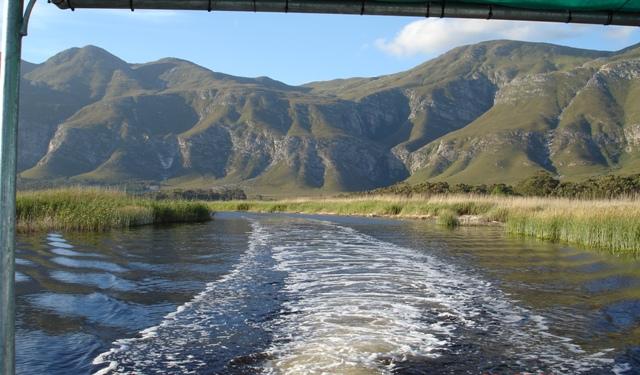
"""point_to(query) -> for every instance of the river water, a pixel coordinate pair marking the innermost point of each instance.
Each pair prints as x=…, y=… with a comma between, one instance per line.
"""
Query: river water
x=293, y=294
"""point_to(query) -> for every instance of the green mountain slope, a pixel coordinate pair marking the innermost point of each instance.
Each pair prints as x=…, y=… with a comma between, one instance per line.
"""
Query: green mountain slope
x=577, y=122
x=490, y=112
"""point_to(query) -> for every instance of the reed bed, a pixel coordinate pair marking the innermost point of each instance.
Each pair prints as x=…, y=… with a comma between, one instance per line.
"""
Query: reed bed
x=612, y=225
x=95, y=209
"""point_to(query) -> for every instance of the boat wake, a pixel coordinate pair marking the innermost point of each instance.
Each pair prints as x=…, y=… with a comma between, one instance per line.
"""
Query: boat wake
x=314, y=297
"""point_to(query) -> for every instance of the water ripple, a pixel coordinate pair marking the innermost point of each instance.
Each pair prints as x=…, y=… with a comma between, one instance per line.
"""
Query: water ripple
x=77, y=263
x=311, y=297
x=99, y=308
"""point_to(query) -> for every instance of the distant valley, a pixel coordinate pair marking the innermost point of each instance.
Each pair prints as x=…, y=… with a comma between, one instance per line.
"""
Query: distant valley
x=491, y=112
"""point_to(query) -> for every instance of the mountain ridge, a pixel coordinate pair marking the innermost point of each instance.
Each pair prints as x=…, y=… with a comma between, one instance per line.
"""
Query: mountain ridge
x=488, y=112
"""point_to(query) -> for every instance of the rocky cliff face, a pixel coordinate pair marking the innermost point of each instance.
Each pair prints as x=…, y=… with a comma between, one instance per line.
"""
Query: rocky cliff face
x=483, y=113
x=577, y=121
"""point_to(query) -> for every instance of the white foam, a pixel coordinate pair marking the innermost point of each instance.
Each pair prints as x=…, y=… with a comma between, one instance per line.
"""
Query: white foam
x=360, y=306
x=622, y=369
x=190, y=322
x=112, y=366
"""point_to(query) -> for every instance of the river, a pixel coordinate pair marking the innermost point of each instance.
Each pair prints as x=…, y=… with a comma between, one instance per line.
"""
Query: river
x=295, y=294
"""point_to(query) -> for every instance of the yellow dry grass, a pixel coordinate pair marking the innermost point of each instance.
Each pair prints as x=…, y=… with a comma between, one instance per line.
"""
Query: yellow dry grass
x=613, y=225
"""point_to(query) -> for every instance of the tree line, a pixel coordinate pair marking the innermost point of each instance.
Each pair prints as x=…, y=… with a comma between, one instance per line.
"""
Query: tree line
x=542, y=184
x=219, y=194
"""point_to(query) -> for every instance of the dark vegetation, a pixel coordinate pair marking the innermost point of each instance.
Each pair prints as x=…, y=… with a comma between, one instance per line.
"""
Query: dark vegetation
x=220, y=194
x=541, y=184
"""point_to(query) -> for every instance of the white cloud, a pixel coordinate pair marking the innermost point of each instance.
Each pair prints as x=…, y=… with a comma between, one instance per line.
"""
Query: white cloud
x=432, y=36
x=623, y=33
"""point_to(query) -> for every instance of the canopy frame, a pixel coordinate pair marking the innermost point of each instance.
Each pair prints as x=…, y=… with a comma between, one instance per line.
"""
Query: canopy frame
x=440, y=9
x=15, y=25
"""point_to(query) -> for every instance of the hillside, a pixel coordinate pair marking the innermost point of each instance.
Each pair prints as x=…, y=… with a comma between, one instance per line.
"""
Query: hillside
x=491, y=112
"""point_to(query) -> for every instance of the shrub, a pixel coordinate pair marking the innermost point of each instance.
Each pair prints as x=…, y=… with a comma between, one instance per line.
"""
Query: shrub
x=242, y=207
x=277, y=208
x=393, y=209
x=501, y=190
x=448, y=218
x=541, y=184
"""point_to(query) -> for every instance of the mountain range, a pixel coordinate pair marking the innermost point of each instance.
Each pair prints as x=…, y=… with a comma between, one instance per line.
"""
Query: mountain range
x=491, y=112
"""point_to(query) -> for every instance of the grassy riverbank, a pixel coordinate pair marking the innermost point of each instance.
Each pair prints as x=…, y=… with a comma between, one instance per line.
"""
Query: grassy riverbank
x=92, y=209
x=612, y=225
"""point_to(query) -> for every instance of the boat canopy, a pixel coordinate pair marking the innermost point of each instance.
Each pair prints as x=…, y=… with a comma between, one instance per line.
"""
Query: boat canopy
x=573, y=5
x=606, y=12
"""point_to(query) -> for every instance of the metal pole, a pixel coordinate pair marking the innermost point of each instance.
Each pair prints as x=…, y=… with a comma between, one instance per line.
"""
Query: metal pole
x=9, y=103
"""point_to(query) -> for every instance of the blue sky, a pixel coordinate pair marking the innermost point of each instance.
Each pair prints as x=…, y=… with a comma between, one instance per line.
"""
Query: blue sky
x=293, y=48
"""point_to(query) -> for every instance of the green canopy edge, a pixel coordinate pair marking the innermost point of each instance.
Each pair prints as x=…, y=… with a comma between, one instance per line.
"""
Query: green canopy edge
x=573, y=5
x=606, y=12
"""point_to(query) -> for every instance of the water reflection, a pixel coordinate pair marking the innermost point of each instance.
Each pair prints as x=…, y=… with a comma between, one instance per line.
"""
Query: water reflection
x=77, y=293
x=71, y=253
x=21, y=277
x=90, y=264
x=99, y=280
